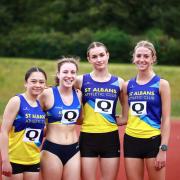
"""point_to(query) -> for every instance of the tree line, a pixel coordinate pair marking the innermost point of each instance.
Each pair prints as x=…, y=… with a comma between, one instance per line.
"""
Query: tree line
x=51, y=28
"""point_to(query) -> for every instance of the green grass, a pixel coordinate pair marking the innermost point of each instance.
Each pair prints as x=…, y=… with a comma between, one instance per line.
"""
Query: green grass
x=12, y=72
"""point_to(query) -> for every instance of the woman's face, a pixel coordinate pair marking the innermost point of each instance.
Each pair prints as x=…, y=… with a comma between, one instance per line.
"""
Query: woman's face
x=98, y=57
x=143, y=58
x=36, y=83
x=67, y=74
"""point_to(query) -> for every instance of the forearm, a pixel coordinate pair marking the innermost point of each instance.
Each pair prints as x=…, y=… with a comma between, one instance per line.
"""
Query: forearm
x=165, y=131
x=4, y=148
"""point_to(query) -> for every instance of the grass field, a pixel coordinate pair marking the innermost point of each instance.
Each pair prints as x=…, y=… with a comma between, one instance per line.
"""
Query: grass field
x=12, y=72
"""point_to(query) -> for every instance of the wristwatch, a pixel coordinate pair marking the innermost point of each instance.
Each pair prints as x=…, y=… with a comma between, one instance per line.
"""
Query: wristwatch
x=163, y=147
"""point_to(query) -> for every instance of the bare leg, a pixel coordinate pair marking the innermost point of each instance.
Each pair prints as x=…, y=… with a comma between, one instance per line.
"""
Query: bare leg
x=154, y=174
x=134, y=168
x=72, y=168
x=109, y=168
x=51, y=166
x=31, y=175
x=14, y=177
x=89, y=168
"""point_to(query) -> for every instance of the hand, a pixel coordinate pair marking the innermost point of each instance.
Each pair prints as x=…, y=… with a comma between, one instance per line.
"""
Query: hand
x=6, y=168
x=160, y=160
x=120, y=121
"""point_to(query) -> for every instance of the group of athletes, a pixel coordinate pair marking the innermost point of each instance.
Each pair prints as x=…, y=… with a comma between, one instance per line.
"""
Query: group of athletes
x=38, y=131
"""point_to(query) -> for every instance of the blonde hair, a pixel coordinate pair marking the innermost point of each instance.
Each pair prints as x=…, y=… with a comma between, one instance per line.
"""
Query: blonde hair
x=147, y=45
x=63, y=60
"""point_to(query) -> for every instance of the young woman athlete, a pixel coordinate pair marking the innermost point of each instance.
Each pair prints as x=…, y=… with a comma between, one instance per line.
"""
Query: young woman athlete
x=60, y=157
x=22, y=130
x=99, y=137
x=148, y=128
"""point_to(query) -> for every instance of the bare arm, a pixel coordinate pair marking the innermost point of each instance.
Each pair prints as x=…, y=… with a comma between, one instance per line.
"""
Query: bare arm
x=122, y=119
x=9, y=115
x=166, y=109
x=80, y=119
x=165, y=124
x=124, y=104
x=78, y=85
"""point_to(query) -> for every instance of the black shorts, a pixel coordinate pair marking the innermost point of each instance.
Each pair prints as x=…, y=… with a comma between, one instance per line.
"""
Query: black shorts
x=20, y=168
x=141, y=147
x=63, y=152
x=105, y=145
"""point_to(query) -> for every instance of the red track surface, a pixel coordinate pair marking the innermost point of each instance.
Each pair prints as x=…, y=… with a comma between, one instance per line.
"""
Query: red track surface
x=173, y=155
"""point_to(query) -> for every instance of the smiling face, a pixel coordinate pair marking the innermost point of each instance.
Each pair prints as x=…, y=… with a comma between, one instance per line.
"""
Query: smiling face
x=143, y=58
x=98, y=57
x=67, y=74
x=35, y=83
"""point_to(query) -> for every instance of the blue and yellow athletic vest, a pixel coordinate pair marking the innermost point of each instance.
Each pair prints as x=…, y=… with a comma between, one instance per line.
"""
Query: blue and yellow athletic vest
x=99, y=104
x=61, y=113
x=26, y=134
x=145, y=108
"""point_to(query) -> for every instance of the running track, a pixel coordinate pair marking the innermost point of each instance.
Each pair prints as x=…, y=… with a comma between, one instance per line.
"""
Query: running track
x=173, y=155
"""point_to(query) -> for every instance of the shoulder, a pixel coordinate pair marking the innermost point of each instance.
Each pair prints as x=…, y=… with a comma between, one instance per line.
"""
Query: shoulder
x=120, y=81
x=78, y=82
x=14, y=100
x=13, y=104
x=164, y=82
x=164, y=85
x=125, y=86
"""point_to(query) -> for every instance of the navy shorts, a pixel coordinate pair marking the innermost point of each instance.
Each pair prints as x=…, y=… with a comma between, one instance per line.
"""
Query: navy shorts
x=105, y=145
x=20, y=168
x=63, y=152
x=141, y=147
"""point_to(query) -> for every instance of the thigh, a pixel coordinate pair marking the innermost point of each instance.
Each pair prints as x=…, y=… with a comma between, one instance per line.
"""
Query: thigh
x=13, y=177
x=134, y=168
x=31, y=175
x=153, y=173
x=72, y=168
x=51, y=166
x=109, y=168
x=89, y=168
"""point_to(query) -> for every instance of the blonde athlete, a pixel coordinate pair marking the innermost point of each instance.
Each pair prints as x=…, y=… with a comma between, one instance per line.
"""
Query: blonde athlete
x=148, y=128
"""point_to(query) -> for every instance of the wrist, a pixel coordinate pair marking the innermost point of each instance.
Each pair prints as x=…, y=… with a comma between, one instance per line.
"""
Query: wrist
x=163, y=147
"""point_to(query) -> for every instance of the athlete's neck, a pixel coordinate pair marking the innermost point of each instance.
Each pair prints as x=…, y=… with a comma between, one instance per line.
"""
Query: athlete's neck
x=144, y=77
x=65, y=91
x=101, y=76
x=30, y=99
x=66, y=95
